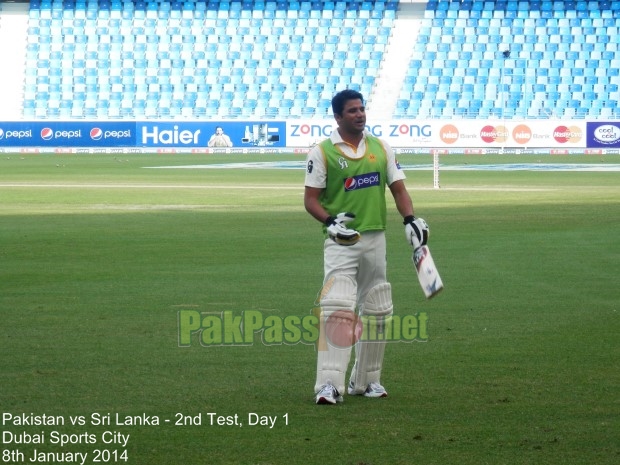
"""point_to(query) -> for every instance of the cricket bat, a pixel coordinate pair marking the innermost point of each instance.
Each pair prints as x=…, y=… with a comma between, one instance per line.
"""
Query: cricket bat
x=427, y=271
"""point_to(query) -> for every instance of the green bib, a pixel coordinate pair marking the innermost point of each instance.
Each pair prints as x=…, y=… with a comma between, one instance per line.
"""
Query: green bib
x=356, y=185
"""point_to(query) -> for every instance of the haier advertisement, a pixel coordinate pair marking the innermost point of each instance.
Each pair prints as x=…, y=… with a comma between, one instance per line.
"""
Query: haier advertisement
x=212, y=134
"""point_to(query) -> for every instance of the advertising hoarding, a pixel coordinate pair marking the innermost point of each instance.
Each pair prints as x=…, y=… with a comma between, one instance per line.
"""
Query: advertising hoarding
x=454, y=134
x=261, y=136
x=603, y=134
x=67, y=134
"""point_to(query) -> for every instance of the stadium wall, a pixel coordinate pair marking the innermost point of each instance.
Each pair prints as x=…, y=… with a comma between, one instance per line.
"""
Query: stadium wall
x=407, y=136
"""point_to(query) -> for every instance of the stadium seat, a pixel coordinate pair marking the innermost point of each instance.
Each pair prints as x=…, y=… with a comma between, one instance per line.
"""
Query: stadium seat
x=242, y=48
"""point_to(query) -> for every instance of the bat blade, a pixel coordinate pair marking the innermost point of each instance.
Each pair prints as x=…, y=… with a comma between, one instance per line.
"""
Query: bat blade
x=425, y=268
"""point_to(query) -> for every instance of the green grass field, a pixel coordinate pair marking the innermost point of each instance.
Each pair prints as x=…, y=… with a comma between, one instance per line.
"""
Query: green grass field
x=99, y=257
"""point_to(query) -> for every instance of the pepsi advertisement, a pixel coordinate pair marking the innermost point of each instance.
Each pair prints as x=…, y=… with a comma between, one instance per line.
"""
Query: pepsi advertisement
x=603, y=134
x=67, y=134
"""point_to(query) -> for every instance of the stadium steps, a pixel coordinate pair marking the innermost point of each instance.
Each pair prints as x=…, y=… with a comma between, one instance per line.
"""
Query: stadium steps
x=13, y=31
x=382, y=101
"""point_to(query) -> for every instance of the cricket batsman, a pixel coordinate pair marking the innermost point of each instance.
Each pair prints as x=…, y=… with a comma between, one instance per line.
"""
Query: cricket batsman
x=345, y=186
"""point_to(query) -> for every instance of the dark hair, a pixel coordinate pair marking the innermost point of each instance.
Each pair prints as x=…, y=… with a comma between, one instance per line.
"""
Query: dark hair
x=342, y=97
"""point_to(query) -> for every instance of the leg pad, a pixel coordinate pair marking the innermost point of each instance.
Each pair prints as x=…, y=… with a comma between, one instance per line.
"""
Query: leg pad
x=376, y=316
x=337, y=325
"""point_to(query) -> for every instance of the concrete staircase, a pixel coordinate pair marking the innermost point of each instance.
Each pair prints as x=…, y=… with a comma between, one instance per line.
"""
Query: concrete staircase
x=13, y=37
x=382, y=102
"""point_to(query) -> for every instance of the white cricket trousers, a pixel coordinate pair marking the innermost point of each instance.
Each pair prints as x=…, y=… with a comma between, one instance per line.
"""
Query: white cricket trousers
x=365, y=262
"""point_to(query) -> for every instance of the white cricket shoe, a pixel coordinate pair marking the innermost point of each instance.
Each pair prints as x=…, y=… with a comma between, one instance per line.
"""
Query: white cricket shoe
x=328, y=394
x=372, y=390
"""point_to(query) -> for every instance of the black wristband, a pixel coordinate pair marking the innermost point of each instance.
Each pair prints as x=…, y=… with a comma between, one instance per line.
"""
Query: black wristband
x=408, y=219
x=329, y=221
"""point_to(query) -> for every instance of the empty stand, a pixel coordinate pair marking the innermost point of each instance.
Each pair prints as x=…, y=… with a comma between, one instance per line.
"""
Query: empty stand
x=275, y=59
x=515, y=59
x=225, y=59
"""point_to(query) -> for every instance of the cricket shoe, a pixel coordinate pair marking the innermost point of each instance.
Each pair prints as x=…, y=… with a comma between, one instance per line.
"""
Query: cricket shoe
x=328, y=394
x=372, y=390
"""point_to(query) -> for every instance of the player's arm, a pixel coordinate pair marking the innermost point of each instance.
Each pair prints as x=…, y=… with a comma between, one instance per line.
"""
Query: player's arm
x=396, y=183
x=404, y=205
x=315, y=183
x=313, y=205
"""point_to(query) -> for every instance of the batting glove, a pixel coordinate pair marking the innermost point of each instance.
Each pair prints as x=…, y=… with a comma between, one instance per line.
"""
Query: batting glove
x=338, y=231
x=416, y=231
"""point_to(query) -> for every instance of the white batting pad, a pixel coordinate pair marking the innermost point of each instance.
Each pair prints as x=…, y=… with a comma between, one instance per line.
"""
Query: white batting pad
x=337, y=321
x=376, y=317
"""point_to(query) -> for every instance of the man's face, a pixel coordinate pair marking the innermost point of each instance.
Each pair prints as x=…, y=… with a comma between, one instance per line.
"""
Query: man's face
x=219, y=131
x=353, y=117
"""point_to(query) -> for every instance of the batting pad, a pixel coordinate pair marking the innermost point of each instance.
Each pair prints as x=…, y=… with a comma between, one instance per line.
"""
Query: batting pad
x=376, y=317
x=338, y=299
